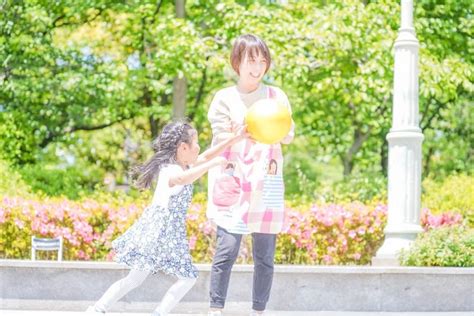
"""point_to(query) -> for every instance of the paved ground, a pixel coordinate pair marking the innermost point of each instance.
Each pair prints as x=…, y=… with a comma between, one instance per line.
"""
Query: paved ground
x=269, y=313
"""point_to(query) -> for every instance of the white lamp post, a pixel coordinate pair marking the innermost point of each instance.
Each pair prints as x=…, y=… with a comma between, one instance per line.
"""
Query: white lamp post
x=405, y=138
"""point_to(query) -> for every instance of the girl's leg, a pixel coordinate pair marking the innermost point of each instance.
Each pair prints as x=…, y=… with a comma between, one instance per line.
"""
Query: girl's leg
x=117, y=290
x=227, y=250
x=174, y=295
x=263, y=257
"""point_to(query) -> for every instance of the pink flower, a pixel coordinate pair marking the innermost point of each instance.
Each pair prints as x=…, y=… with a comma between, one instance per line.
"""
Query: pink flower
x=207, y=227
x=327, y=259
x=192, y=217
x=343, y=241
x=19, y=223
x=82, y=255
x=328, y=222
x=3, y=215
x=352, y=234
x=306, y=235
x=429, y=220
x=297, y=242
x=195, y=207
x=192, y=242
x=110, y=256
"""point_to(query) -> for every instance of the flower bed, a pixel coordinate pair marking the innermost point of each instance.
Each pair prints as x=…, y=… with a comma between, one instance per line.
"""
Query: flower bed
x=348, y=233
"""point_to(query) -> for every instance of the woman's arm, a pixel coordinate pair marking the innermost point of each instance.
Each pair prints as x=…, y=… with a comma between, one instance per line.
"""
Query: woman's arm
x=219, y=118
x=291, y=134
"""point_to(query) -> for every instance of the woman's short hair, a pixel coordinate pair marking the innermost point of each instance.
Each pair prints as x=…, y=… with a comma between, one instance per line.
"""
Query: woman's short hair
x=252, y=45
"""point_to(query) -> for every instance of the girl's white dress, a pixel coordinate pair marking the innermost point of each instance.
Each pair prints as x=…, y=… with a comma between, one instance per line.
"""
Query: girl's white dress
x=157, y=241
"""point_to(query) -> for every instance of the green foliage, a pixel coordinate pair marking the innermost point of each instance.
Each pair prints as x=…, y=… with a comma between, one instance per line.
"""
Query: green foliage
x=455, y=193
x=302, y=173
x=448, y=26
x=72, y=181
x=114, y=150
x=48, y=91
x=443, y=247
x=11, y=182
x=358, y=187
x=80, y=75
x=450, y=148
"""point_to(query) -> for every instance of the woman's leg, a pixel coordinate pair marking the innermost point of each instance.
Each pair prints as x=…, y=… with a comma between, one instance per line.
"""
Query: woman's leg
x=227, y=250
x=174, y=295
x=263, y=257
x=117, y=290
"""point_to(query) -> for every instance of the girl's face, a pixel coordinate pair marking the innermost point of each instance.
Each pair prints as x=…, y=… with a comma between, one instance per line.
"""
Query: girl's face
x=188, y=153
x=253, y=69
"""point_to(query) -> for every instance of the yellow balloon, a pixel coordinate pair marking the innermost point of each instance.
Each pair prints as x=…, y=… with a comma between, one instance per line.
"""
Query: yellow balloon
x=268, y=121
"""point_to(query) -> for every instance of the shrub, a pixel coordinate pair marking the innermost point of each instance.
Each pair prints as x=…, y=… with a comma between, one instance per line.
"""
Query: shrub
x=364, y=188
x=454, y=194
x=332, y=234
x=87, y=226
x=315, y=233
x=11, y=182
x=327, y=233
x=450, y=246
x=430, y=221
x=71, y=182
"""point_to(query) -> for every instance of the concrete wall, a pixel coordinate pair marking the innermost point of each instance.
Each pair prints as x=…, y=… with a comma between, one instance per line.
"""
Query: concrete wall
x=74, y=285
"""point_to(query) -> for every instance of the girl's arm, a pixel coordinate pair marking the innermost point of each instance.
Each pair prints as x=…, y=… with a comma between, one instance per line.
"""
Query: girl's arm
x=190, y=175
x=218, y=149
x=207, y=160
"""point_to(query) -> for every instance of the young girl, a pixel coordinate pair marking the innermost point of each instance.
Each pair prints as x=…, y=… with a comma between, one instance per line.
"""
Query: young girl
x=157, y=240
x=260, y=207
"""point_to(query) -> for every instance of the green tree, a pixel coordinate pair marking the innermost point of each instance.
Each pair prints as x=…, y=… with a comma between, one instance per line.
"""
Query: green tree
x=72, y=69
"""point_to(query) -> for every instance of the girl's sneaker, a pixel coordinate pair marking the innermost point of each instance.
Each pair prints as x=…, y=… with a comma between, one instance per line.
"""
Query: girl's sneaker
x=92, y=310
x=215, y=313
x=255, y=313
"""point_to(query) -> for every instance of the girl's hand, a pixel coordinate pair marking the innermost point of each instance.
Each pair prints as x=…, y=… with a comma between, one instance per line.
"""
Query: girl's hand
x=240, y=132
x=219, y=161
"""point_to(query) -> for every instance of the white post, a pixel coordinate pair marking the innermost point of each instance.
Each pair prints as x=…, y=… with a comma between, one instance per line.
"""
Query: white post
x=33, y=250
x=60, y=250
x=404, y=139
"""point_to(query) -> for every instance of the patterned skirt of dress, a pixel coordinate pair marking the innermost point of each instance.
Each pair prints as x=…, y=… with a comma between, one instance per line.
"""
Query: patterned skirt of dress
x=157, y=242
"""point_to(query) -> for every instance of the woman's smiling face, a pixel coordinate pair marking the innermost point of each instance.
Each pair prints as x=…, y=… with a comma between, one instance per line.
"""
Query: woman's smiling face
x=253, y=68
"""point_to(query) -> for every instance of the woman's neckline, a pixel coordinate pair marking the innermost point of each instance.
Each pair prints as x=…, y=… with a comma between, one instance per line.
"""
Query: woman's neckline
x=259, y=87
